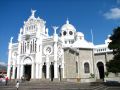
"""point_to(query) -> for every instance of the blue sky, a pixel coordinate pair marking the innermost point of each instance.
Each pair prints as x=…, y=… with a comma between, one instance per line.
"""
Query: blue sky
x=99, y=15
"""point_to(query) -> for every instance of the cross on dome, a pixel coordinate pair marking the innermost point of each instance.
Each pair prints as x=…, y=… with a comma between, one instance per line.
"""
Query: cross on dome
x=67, y=21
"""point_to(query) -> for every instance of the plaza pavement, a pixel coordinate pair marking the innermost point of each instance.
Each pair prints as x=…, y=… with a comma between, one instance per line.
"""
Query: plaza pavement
x=48, y=85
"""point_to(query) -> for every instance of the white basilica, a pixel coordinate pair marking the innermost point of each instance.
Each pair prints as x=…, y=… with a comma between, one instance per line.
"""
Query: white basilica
x=67, y=56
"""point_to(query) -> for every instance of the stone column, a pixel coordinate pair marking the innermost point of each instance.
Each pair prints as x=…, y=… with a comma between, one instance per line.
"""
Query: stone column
x=8, y=71
x=47, y=66
x=63, y=64
x=78, y=67
x=93, y=60
x=55, y=70
x=13, y=74
x=38, y=55
x=21, y=70
x=9, y=58
x=40, y=70
x=106, y=59
x=55, y=52
x=18, y=57
x=33, y=70
x=18, y=67
x=55, y=61
x=18, y=71
x=37, y=70
x=40, y=61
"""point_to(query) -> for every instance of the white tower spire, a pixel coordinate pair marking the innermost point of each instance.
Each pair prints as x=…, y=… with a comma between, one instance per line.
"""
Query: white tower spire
x=33, y=13
x=11, y=39
x=55, y=29
x=92, y=35
x=67, y=21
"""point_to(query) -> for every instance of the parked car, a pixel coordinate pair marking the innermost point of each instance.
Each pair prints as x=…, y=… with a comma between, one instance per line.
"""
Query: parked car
x=2, y=79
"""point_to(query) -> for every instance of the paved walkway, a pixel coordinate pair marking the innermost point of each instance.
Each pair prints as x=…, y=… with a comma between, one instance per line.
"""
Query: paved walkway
x=47, y=85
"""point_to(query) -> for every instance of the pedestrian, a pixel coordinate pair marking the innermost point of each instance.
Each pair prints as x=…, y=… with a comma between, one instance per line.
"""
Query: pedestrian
x=17, y=85
x=6, y=81
x=22, y=78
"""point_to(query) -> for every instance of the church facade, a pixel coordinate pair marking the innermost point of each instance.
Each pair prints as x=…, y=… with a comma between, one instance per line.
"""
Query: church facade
x=67, y=56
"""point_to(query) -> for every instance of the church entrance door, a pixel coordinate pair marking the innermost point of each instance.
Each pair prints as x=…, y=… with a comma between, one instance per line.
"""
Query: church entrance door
x=52, y=71
x=101, y=69
x=44, y=70
x=60, y=72
x=27, y=72
x=15, y=72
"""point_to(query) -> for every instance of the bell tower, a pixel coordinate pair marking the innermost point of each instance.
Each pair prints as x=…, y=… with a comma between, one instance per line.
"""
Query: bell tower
x=68, y=32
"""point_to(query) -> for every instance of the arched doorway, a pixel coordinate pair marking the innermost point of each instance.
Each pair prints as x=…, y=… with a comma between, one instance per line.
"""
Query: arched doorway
x=100, y=67
x=44, y=70
x=52, y=71
x=60, y=76
x=27, y=72
x=27, y=68
x=15, y=72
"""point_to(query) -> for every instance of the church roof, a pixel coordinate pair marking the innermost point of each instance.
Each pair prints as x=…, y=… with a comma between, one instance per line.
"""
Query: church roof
x=80, y=34
x=82, y=44
x=71, y=48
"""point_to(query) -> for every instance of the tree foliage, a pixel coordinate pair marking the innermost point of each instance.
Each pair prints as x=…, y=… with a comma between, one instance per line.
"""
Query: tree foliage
x=114, y=64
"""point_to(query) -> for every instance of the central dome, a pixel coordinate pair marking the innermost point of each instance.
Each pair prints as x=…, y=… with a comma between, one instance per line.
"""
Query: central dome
x=68, y=26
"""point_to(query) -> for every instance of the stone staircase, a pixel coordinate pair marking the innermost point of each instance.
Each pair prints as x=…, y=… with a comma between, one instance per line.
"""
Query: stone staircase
x=98, y=82
x=45, y=85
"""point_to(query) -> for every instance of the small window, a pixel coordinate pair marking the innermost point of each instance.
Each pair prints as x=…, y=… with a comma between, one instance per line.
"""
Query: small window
x=105, y=49
x=70, y=32
x=64, y=33
x=69, y=42
x=65, y=42
x=39, y=48
x=86, y=67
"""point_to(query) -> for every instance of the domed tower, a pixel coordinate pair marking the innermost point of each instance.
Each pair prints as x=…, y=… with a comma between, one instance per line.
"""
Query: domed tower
x=68, y=33
x=79, y=36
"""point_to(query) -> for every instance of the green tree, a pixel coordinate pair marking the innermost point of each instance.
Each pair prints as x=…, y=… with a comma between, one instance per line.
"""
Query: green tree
x=114, y=64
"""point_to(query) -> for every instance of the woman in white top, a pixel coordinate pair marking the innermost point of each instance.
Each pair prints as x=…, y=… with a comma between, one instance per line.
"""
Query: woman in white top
x=17, y=85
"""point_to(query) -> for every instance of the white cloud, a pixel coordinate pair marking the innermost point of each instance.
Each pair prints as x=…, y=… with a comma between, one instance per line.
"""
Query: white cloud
x=3, y=63
x=114, y=13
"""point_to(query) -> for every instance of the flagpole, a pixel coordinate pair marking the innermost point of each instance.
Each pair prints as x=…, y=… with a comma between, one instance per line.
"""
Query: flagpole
x=92, y=35
x=93, y=55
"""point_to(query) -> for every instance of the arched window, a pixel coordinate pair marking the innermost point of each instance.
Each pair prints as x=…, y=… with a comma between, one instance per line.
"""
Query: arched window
x=76, y=67
x=21, y=48
x=25, y=47
x=86, y=67
x=39, y=48
x=35, y=46
x=31, y=47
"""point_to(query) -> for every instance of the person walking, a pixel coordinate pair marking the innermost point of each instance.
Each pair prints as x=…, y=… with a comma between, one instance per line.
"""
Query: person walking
x=6, y=81
x=17, y=85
